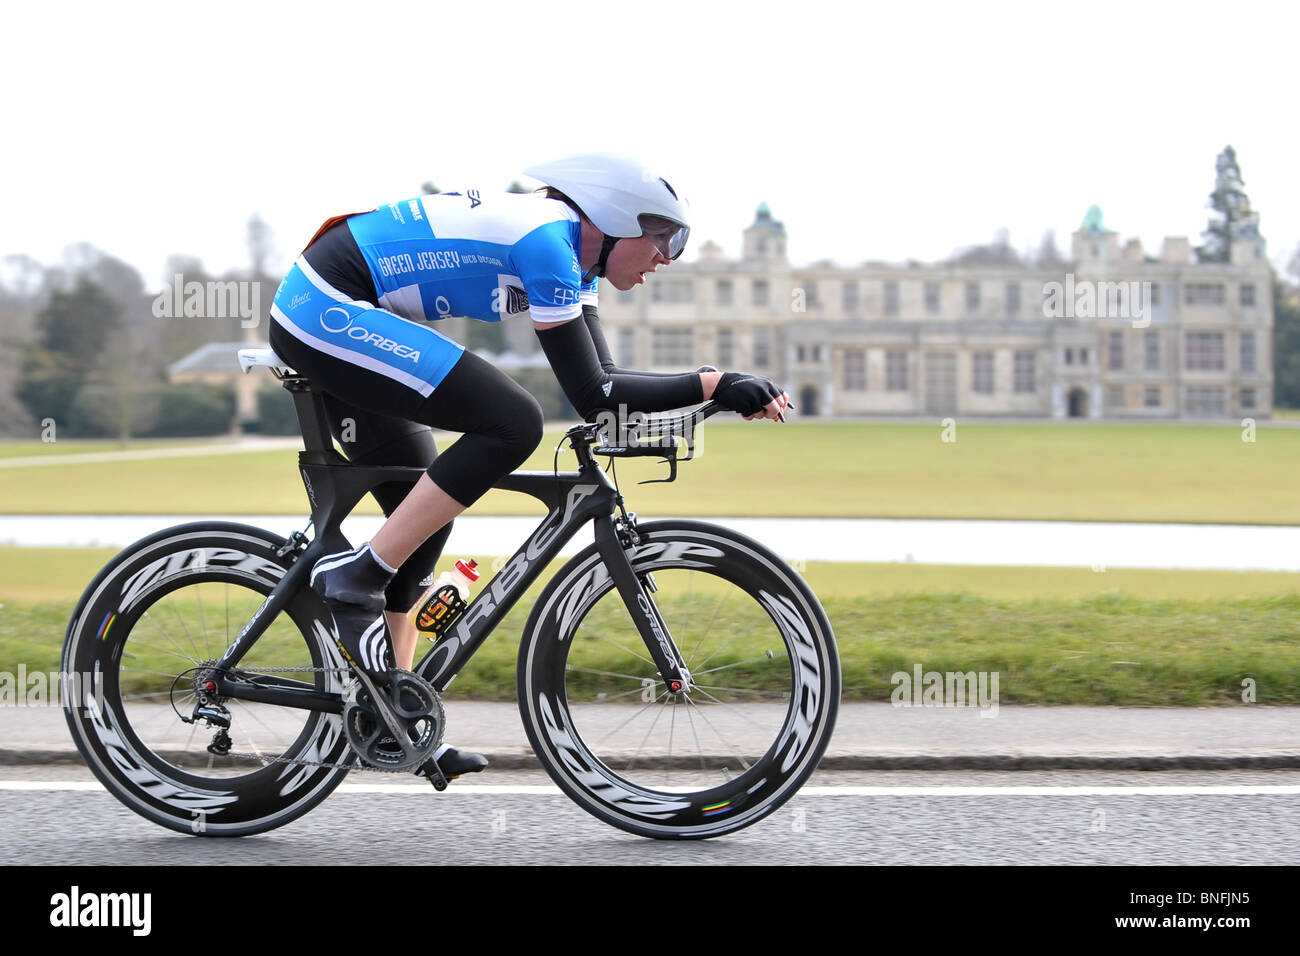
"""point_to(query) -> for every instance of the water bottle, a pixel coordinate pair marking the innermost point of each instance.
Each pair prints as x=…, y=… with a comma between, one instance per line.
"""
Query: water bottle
x=444, y=601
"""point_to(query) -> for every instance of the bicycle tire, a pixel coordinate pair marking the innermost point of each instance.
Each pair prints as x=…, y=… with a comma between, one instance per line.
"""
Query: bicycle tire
x=130, y=643
x=731, y=605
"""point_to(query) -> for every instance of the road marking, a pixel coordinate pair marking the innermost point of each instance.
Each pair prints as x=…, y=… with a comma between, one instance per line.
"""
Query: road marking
x=548, y=790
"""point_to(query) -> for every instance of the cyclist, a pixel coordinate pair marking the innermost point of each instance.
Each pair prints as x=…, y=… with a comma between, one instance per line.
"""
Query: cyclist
x=352, y=315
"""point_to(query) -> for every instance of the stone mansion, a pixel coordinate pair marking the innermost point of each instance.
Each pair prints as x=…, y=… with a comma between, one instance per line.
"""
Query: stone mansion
x=1112, y=332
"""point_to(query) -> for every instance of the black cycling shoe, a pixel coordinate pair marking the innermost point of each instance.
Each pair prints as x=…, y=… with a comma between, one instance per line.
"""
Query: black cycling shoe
x=453, y=763
x=352, y=584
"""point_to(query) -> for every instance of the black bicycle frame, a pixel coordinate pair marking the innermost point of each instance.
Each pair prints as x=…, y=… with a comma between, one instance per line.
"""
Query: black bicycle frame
x=573, y=499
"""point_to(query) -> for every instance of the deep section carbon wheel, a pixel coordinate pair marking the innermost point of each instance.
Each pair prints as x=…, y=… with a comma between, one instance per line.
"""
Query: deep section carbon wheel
x=765, y=689
x=147, y=627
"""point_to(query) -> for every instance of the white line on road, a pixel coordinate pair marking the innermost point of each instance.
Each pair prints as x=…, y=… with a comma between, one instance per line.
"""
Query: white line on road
x=546, y=790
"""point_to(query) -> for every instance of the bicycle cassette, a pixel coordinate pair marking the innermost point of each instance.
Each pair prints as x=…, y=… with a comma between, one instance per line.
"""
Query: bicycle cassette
x=395, y=726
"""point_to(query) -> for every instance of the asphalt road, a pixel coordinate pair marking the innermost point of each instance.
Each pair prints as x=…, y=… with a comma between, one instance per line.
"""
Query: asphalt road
x=514, y=818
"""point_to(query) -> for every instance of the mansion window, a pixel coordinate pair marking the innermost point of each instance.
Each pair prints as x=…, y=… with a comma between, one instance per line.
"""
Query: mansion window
x=1204, y=352
x=1023, y=380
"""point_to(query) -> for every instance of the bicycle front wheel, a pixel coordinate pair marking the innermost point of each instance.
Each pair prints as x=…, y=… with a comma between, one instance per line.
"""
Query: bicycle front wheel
x=765, y=674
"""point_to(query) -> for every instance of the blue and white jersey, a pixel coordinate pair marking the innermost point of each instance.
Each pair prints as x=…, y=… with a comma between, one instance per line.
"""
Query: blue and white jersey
x=485, y=256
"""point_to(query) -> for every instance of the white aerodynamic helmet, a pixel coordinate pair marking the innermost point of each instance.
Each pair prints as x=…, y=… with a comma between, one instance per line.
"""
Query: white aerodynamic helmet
x=622, y=198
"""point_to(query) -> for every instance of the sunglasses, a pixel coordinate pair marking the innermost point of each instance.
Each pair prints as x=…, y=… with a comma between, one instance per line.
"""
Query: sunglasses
x=669, y=237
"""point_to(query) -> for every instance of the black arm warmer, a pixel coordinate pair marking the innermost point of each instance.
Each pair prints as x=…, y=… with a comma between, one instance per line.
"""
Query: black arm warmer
x=592, y=320
x=592, y=387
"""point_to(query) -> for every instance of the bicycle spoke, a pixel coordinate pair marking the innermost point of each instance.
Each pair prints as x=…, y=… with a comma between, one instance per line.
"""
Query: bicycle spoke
x=717, y=608
x=767, y=656
x=612, y=697
x=185, y=628
x=686, y=606
x=157, y=693
x=145, y=670
x=736, y=753
x=734, y=637
x=592, y=670
x=637, y=713
x=641, y=749
x=732, y=709
x=203, y=624
x=180, y=651
x=625, y=650
x=277, y=735
x=672, y=726
x=773, y=694
x=699, y=748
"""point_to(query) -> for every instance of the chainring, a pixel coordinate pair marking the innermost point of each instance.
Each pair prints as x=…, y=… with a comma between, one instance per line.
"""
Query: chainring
x=377, y=716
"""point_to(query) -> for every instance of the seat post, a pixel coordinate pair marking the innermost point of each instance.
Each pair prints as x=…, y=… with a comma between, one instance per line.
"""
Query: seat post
x=313, y=421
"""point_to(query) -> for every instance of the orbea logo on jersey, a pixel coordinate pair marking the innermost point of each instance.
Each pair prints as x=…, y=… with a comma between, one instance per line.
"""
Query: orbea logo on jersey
x=338, y=321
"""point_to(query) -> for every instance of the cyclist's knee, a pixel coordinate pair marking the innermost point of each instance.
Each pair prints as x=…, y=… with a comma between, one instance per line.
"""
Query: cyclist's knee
x=527, y=423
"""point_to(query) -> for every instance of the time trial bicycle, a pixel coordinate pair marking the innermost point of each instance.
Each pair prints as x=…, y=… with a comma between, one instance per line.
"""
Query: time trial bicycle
x=676, y=679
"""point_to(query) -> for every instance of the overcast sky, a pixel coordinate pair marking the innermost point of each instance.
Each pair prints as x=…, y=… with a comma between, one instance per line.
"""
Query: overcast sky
x=874, y=132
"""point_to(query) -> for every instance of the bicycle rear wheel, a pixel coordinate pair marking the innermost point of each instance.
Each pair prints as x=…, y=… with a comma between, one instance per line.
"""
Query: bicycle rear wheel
x=159, y=612
x=766, y=689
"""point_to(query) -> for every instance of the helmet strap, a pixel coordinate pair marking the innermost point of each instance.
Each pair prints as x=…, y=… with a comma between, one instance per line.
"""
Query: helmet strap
x=598, y=269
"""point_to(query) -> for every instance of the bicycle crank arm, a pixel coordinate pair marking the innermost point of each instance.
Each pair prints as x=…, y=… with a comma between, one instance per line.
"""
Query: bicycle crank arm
x=649, y=622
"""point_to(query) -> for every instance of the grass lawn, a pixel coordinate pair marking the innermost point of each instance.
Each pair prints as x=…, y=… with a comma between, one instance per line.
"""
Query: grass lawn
x=1055, y=635
x=1103, y=472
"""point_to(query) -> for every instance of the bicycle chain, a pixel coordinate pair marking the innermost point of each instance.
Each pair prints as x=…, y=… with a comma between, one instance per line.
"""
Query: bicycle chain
x=266, y=761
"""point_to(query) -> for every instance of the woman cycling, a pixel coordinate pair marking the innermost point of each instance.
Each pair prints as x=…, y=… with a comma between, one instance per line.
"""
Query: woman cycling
x=351, y=315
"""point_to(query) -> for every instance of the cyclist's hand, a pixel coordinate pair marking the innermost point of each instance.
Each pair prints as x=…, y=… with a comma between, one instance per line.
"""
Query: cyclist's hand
x=753, y=396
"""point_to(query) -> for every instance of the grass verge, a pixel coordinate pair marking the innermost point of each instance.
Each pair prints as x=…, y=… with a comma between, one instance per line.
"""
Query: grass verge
x=1054, y=635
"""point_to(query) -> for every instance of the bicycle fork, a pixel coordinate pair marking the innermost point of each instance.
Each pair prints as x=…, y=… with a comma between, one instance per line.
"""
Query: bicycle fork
x=635, y=590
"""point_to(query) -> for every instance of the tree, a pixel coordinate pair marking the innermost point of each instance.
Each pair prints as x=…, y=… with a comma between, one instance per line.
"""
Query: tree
x=1047, y=253
x=996, y=253
x=260, y=247
x=73, y=331
x=1231, y=217
x=1286, y=336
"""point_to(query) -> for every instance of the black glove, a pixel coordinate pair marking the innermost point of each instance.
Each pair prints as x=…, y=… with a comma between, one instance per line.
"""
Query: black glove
x=744, y=393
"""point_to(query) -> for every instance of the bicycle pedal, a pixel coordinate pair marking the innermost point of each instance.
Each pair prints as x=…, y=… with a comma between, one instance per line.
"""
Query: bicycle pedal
x=433, y=773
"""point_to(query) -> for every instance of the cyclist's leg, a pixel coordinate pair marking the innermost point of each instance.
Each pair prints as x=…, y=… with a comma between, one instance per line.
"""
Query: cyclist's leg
x=371, y=361
x=369, y=438
x=501, y=424
x=377, y=361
